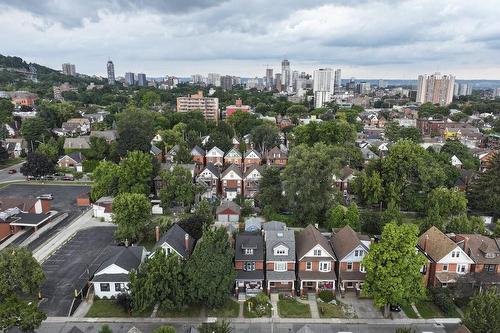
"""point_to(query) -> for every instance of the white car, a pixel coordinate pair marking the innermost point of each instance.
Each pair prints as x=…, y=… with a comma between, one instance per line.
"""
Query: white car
x=45, y=197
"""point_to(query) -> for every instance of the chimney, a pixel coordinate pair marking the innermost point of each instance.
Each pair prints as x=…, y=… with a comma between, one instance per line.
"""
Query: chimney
x=372, y=240
x=316, y=225
x=157, y=233
x=186, y=242
x=466, y=240
x=425, y=242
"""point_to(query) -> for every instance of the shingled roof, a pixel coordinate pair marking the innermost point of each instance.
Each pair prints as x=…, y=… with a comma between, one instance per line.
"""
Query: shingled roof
x=436, y=244
x=307, y=239
x=344, y=240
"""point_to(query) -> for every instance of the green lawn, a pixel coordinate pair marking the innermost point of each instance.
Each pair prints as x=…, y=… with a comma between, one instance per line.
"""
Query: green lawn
x=410, y=313
x=249, y=309
x=186, y=312
x=291, y=308
x=230, y=310
x=10, y=162
x=429, y=310
x=109, y=308
x=327, y=310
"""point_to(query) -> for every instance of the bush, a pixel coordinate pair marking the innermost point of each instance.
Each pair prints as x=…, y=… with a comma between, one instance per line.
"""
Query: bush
x=105, y=329
x=261, y=298
x=326, y=296
x=442, y=298
x=89, y=165
x=125, y=301
x=164, y=329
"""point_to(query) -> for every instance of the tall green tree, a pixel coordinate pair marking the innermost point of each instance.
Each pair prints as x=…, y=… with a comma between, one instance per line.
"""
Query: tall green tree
x=269, y=196
x=34, y=131
x=446, y=202
x=106, y=178
x=393, y=267
x=37, y=165
x=131, y=213
x=484, y=190
x=179, y=188
x=481, y=314
x=265, y=136
x=135, y=131
x=340, y=216
x=135, y=173
x=49, y=149
x=210, y=269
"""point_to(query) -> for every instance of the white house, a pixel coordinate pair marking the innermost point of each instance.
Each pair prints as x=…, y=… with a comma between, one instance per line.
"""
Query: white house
x=112, y=276
x=102, y=208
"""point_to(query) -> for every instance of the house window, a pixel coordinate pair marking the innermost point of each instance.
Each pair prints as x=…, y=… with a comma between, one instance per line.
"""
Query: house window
x=445, y=268
x=349, y=266
x=248, y=251
x=280, y=266
x=362, y=268
x=356, y=253
x=169, y=250
x=489, y=268
x=309, y=266
x=317, y=252
x=461, y=268
x=280, y=251
x=119, y=287
x=104, y=286
x=455, y=254
x=325, y=266
x=349, y=284
x=250, y=266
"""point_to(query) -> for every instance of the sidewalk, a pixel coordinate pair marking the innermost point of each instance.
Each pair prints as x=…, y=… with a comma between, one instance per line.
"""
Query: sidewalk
x=274, y=302
x=82, y=222
x=313, y=305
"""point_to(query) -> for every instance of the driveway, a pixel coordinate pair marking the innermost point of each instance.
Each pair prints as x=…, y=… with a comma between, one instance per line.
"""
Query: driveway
x=363, y=308
x=69, y=267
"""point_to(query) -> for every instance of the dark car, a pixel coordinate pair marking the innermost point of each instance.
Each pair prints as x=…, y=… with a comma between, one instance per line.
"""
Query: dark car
x=12, y=171
x=395, y=308
x=68, y=178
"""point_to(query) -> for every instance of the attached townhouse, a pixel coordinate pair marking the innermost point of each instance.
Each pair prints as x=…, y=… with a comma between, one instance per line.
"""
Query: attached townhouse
x=249, y=264
x=209, y=180
x=315, y=262
x=350, y=248
x=215, y=156
x=232, y=182
x=448, y=261
x=280, y=261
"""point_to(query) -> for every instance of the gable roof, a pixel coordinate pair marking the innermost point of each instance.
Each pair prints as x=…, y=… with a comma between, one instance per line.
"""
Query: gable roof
x=273, y=226
x=213, y=169
x=253, y=151
x=247, y=240
x=476, y=247
x=109, y=135
x=227, y=204
x=344, y=240
x=127, y=258
x=175, y=237
x=81, y=142
x=233, y=167
x=75, y=156
x=233, y=152
x=252, y=168
x=217, y=150
x=24, y=204
x=276, y=150
x=155, y=150
x=308, y=238
x=276, y=238
x=435, y=244
x=197, y=151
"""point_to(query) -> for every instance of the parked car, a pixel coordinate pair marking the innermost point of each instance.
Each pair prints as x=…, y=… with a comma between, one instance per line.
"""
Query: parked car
x=68, y=178
x=47, y=196
x=12, y=171
x=395, y=308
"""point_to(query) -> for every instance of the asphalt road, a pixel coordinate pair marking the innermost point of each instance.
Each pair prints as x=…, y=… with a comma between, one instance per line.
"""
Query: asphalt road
x=249, y=328
x=69, y=267
x=4, y=173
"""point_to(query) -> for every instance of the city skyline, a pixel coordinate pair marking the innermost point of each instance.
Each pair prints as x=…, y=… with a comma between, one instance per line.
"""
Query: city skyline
x=240, y=38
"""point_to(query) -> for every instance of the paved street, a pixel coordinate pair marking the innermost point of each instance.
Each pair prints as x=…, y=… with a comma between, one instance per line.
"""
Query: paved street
x=249, y=327
x=5, y=177
x=68, y=268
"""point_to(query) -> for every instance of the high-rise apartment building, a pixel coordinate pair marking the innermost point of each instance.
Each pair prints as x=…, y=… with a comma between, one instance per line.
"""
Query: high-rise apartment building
x=213, y=79
x=285, y=74
x=111, y=72
x=382, y=84
x=323, y=85
x=69, y=69
x=197, y=79
x=130, y=78
x=496, y=93
x=141, y=80
x=462, y=89
x=435, y=88
x=226, y=82
x=209, y=106
x=337, y=80
x=277, y=82
x=269, y=79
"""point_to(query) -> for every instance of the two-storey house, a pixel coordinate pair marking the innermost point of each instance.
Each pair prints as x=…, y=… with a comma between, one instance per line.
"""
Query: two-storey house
x=215, y=156
x=350, y=248
x=233, y=156
x=232, y=182
x=249, y=264
x=277, y=157
x=252, y=157
x=316, y=261
x=198, y=155
x=209, y=180
x=280, y=261
x=485, y=252
x=448, y=261
x=251, y=180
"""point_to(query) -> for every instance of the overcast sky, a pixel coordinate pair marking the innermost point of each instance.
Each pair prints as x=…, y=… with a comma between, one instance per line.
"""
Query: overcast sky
x=367, y=39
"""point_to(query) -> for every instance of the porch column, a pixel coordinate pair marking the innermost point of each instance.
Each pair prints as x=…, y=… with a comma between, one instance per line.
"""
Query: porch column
x=301, y=287
x=317, y=287
x=268, y=287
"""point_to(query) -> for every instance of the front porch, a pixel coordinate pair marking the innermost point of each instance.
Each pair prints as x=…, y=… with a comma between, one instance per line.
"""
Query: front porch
x=308, y=286
x=350, y=286
x=247, y=289
x=287, y=287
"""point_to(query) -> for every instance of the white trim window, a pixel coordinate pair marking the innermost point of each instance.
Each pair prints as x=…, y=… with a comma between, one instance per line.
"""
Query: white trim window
x=325, y=266
x=362, y=268
x=248, y=251
x=280, y=266
x=445, y=267
x=309, y=266
x=461, y=268
x=317, y=252
x=455, y=254
x=349, y=266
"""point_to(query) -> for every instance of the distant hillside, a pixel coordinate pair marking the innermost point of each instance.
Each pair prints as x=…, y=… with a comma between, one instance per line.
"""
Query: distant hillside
x=19, y=63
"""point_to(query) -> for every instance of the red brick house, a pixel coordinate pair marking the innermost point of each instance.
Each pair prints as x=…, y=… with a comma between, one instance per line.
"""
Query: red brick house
x=249, y=264
x=277, y=157
x=209, y=180
x=315, y=261
x=198, y=156
x=251, y=180
x=215, y=156
x=350, y=248
x=280, y=261
x=252, y=157
x=233, y=157
x=232, y=182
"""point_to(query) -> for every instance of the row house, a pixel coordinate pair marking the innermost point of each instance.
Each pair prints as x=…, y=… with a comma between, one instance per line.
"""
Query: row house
x=252, y=157
x=350, y=248
x=448, y=262
x=249, y=264
x=251, y=181
x=315, y=261
x=209, y=179
x=343, y=179
x=280, y=261
x=233, y=157
x=232, y=182
x=215, y=156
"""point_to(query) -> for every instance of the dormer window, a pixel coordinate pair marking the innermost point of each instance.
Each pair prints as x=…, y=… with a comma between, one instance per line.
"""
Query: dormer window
x=249, y=251
x=280, y=251
x=490, y=255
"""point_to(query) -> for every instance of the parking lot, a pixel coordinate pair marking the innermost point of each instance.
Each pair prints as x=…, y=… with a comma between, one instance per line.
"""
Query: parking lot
x=70, y=266
x=64, y=195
